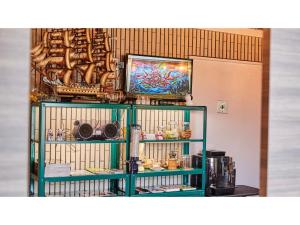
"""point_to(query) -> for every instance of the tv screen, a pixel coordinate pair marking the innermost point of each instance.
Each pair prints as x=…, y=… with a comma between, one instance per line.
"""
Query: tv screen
x=158, y=76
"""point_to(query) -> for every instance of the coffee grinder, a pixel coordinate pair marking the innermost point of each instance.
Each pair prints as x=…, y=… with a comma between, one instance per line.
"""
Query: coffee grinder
x=135, y=132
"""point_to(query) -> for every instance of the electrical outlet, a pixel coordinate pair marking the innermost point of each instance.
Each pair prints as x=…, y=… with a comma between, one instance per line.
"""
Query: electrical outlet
x=222, y=106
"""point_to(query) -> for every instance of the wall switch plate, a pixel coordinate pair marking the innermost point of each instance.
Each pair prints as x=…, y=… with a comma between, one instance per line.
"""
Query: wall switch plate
x=222, y=106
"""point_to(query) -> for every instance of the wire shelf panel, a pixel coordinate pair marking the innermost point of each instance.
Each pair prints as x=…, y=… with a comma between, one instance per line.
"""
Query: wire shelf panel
x=85, y=188
x=78, y=154
x=148, y=183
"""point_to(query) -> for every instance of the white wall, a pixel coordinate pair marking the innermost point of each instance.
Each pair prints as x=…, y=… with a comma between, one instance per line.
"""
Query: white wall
x=238, y=132
x=284, y=117
x=14, y=111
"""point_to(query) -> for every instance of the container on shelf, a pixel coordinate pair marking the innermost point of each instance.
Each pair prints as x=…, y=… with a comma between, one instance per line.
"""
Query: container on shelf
x=136, y=132
x=159, y=135
x=185, y=132
x=185, y=162
x=171, y=131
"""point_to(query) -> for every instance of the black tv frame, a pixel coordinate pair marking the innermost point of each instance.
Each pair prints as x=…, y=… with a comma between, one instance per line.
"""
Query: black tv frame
x=157, y=96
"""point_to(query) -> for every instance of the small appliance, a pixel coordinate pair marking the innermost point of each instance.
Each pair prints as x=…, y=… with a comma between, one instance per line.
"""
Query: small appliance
x=221, y=173
x=136, y=133
x=82, y=131
x=107, y=131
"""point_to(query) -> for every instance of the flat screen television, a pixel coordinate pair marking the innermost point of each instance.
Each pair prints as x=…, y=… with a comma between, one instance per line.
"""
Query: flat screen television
x=158, y=77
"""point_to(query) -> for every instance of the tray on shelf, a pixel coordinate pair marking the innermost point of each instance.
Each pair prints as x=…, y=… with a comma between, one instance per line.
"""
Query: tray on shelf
x=113, y=141
x=151, y=173
x=172, y=141
x=195, y=193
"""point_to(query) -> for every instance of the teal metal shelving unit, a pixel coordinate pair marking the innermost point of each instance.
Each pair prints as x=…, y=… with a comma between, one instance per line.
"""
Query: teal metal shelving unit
x=108, y=153
x=149, y=115
x=79, y=154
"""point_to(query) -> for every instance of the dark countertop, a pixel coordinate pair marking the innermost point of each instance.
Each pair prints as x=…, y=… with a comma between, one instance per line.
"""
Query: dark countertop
x=242, y=191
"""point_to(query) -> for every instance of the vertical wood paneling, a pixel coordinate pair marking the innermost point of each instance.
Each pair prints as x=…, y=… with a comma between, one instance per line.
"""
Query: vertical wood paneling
x=136, y=41
x=178, y=45
x=166, y=42
x=202, y=43
x=190, y=36
x=265, y=114
x=158, y=42
x=127, y=38
x=235, y=44
x=213, y=44
x=153, y=44
x=186, y=42
x=170, y=42
x=198, y=41
x=173, y=42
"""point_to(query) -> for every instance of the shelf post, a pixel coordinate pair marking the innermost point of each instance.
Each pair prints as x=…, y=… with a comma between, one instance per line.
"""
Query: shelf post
x=41, y=160
x=186, y=146
x=115, y=152
x=204, y=149
x=32, y=151
x=127, y=185
x=132, y=184
x=130, y=112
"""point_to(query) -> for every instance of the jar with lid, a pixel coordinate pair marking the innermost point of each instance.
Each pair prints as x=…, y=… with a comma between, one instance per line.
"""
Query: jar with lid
x=185, y=132
x=185, y=162
x=172, y=130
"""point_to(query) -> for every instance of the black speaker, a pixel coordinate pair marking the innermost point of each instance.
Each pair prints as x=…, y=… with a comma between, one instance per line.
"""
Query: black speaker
x=107, y=131
x=82, y=131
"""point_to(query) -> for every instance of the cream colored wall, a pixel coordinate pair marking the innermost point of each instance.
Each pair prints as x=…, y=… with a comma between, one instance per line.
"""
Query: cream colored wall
x=238, y=132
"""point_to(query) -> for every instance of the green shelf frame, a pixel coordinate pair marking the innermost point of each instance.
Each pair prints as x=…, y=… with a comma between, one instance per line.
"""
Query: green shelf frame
x=152, y=173
x=170, y=107
x=87, y=142
x=88, y=177
x=185, y=173
x=130, y=179
x=172, y=141
x=115, y=144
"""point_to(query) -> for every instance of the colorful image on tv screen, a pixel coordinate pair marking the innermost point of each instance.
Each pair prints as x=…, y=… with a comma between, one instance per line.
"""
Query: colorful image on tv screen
x=159, y=77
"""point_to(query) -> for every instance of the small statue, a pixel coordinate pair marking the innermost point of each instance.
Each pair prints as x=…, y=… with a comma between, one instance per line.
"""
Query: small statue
x=172, y=161
x=159, y=135
x=60, y=134
x=50, y=135
x=189, y=99
x=173, y=154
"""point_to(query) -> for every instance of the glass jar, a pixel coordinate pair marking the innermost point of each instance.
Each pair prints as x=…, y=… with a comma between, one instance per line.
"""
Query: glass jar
x=135, y=133
x=172, y=130
x=185, y=162
x=185, y=132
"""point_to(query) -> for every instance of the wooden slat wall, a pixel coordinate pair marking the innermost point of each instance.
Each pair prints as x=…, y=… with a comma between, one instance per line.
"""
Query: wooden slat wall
x=178, y=42
x=265, y=114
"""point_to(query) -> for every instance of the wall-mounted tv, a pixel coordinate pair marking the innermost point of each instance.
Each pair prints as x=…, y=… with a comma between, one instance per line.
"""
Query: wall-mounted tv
x=158, y=77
